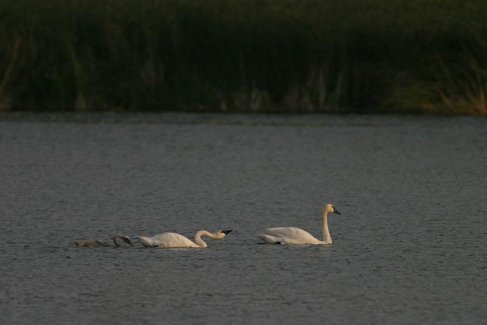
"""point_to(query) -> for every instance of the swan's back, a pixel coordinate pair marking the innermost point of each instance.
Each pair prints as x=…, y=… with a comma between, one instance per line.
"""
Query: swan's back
x=167, y=240
x=292, y=235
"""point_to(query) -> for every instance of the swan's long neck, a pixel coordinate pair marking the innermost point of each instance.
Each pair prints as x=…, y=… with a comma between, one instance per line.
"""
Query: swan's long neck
x=326, y=231
x=201, y=233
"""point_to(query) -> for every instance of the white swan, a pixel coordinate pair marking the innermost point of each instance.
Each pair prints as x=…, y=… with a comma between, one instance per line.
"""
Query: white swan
x=296, y=236
x=174, y=240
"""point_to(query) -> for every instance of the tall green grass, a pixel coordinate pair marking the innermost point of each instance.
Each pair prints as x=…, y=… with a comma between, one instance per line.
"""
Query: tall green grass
x=244, y=55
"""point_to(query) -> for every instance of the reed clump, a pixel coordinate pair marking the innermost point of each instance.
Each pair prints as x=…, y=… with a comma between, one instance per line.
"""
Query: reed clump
x=244, y=55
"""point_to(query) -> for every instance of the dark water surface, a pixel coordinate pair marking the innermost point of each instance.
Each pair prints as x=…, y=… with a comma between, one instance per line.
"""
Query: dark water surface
x=409, y=247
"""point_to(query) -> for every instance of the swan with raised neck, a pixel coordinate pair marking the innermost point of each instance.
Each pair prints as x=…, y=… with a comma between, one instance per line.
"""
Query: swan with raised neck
x=297, y=236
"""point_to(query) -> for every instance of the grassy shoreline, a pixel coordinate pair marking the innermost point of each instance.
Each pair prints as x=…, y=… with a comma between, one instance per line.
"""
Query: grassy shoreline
x=348, y=56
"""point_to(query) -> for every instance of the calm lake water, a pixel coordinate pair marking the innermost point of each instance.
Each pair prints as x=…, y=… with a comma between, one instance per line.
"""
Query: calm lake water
x=409, y=247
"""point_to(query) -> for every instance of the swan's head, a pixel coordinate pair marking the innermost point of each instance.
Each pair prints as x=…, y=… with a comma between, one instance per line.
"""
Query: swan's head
x=223, y=233
x=330, y=208
x=122, y=237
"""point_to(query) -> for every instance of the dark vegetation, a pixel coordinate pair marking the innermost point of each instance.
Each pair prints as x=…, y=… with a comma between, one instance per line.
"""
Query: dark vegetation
x=425, y=56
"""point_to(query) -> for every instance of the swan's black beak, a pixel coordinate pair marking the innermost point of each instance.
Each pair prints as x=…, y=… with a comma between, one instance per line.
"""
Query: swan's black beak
x=226, y=232
x=336, y=211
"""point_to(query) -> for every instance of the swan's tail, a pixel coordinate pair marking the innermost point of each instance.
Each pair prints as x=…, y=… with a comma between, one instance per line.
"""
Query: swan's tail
x=146, y=241
x=270, y=239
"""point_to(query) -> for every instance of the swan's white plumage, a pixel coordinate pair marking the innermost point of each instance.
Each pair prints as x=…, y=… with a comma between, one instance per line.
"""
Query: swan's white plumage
x=167, y=240
x=174, y=240
x=289, y=235
x=297, y=236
